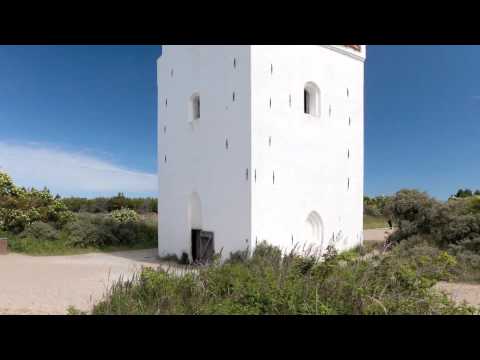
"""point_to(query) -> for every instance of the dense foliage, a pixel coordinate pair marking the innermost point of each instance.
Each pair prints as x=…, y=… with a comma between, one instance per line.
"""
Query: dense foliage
x=453, y=226
x=106, y=205
x=465, y=193
x=20, y=207
x=454, y=222
x=35, y=222
x=272, y=283
x=99, y=231
x=374, y=206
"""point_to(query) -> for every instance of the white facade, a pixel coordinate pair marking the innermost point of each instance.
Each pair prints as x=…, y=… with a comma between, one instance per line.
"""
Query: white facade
x=254, y=166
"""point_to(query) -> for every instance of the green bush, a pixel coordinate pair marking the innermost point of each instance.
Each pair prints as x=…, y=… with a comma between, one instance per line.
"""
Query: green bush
x=124, y=216
x=20, y=207
x=100, y=231
x=450, y=223
x=269, y=283
x=105, y=205
x=40, y=231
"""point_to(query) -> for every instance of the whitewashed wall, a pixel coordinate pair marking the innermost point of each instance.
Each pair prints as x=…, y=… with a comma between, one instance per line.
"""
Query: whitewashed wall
x=197, y=158
x=308, y=155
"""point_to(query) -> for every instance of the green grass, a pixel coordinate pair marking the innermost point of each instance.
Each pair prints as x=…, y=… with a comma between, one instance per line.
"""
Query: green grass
x=374, y=222
x=38, y=247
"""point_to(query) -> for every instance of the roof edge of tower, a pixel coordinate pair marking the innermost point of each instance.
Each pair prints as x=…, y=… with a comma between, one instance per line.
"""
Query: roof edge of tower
x=357, y=52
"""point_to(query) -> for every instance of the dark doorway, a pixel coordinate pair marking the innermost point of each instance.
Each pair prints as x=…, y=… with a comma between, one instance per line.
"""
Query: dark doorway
x=203, y=248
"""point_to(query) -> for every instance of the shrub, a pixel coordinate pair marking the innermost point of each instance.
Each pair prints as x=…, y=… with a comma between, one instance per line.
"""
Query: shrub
x=20, y=207
x=446, y=224
x=124, y=216
x=105, y=205
x=100, y=231
x=269, y=283
x=40, y=231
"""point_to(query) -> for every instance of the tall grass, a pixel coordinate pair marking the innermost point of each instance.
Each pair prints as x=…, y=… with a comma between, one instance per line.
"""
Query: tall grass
x=269, y=283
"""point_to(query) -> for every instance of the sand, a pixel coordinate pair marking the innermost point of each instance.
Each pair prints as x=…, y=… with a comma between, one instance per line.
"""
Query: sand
x=49, y=285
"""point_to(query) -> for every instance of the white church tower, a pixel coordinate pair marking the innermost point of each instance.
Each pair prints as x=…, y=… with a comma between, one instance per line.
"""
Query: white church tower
x=260, y=142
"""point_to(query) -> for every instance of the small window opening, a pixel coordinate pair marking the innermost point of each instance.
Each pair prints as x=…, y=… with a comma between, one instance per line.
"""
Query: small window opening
x=227, y=145
x=270, y=103
x=271, y=69
x=166, y=102
x=195, y=103
x=311, y=99
x=233, y=96
x=234, y=63
x=165, y=159
x=247, y=174
x=255, y=175
x=274, y=178
x=164, y=129
x=349, y=121
x=306, y=96
x=290, y=100
x=171, y=73
x=270, y=141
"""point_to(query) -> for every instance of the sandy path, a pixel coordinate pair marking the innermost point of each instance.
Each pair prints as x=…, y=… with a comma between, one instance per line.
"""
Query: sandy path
x=49, y=285
x=376, y=234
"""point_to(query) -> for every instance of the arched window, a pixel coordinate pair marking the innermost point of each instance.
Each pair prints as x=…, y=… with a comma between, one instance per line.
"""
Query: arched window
x=311, y=96
x=314, y=229
x=195, y=107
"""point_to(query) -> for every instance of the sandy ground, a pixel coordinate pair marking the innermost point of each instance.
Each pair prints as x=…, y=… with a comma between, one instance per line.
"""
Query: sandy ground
x=469, y=293
x=49, y=285
x=376, y=234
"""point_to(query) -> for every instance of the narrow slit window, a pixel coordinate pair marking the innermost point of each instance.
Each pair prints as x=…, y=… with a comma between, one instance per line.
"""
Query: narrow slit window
x=195, y=104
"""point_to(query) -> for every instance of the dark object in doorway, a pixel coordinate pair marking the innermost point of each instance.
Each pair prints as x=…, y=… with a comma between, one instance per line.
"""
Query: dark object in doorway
x=203, y=248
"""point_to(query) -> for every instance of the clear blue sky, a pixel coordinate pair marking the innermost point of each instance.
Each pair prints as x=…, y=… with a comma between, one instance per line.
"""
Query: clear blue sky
x=82, y=119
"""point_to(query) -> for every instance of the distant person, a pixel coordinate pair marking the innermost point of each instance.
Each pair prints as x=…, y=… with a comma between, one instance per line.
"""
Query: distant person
x=390, y=224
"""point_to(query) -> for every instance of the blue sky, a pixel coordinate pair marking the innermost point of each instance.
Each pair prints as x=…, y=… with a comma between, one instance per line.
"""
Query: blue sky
x=82, y=119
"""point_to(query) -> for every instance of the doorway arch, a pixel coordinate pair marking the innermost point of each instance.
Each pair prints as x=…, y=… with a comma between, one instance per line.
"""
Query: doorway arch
x=195, y=219
x=314, y=230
